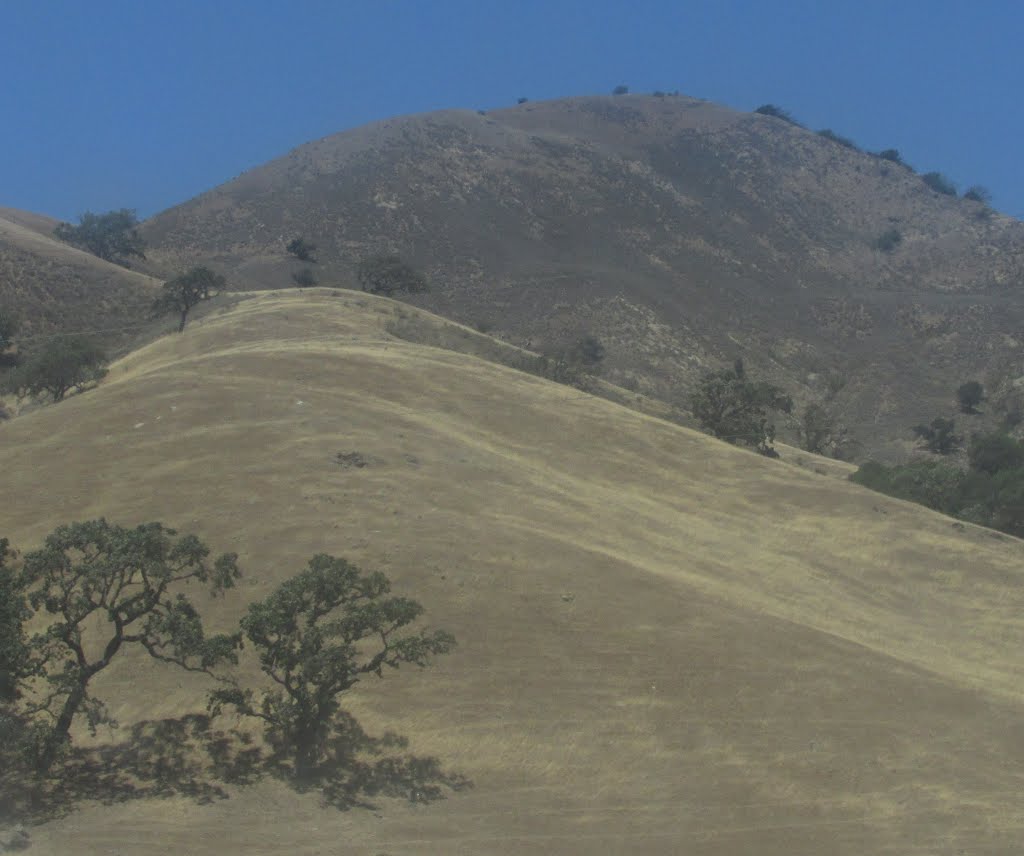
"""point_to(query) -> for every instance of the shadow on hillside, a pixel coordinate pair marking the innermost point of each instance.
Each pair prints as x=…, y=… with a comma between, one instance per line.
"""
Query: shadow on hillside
x=187, y=757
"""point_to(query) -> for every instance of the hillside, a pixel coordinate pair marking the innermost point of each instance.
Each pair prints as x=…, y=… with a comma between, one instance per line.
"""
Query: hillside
x=666, y=644
x=681, y=233
x=55, y=288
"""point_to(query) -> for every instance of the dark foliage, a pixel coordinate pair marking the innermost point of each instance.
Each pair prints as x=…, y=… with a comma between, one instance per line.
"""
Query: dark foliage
x=186, y=291
x=845, y=142
x=302, y=249
x=969, y=395
x=113, y=236
x=821, y=433
x=621, y=89
x=304, y=278
x=522, y=100
x=388, y=275
x=118, y=582
x=64, y=364
x=939, y=183
x=989, y=492
x=588, y=353
x=317, y=636
x=9, y=325
x=888, y=240
x=730, y=406
x=977, y=193
x=777, y=112
x=939, y=436
x=892, y=155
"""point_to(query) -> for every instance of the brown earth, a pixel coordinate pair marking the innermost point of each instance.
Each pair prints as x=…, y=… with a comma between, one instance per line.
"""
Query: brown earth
x=666, y=644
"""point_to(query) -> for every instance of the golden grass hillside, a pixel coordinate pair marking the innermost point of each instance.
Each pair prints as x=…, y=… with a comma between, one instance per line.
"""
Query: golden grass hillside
x=666, y=645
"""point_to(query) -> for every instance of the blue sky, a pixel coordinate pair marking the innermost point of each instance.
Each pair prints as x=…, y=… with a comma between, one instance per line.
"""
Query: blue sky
x=144, y=104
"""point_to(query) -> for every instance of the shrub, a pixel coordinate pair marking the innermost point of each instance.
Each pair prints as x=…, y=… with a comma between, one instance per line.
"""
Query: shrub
x=302, y=249
x=845, y=142
x=939, y=437
x=522, y=100
x=939, y=183
x=892, y=155
x=991, y=453
x=621, y=89
x=304, y=278
x=388, y=274
x=888, y=240
x=969, y=395
x=588, y=353
x=977, y=193
x=777, y=112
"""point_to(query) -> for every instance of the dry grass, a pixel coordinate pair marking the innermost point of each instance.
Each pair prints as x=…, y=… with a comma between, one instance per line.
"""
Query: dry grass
x=667, y=645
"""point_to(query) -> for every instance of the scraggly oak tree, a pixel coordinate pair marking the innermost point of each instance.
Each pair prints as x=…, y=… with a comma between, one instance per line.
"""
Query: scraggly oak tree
x=184, y=292
x=316, y=636
x=64, y=364
x=730, y=406
x=113, y=236
x=106, y=587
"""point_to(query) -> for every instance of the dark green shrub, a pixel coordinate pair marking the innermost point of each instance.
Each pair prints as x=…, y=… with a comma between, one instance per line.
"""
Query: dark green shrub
x=939, y=437
x=304, y=278
x=939, y=183
x=892, y=155
x=992, y=453
x=977, y=193
x=621, y=89
x=588, y=353
x=888, y=240
x=777, y=112
x=522, y=100
x=302, y=249
x=969, y=395
x=388, y=275
x=845, y=142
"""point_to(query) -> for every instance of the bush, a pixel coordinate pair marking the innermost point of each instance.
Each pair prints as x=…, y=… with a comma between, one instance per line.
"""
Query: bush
x=888, y=241
x=892, y=155
x=388, y=274
x=304, y=278
x=977, y=193
x=302, y=249
x=67, y=363
x=992, y=453
x=939, y=183
x=969, y=395
x=777, y=112
x=588, y=353
x=621, y=89
x=845, y=142
x=522, y=100
x=938, y=437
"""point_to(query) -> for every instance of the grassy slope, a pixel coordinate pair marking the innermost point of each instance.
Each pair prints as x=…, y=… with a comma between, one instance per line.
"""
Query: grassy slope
x=667, y=644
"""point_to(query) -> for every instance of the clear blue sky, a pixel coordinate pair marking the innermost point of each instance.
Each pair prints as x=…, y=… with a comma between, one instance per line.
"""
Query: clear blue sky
x=143, y=104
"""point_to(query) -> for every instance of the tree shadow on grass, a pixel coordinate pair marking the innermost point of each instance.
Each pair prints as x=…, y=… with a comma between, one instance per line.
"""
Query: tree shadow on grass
x=187, y=757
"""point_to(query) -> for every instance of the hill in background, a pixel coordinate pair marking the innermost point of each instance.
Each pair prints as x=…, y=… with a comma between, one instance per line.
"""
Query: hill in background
x=681, y=233
x=666, y=644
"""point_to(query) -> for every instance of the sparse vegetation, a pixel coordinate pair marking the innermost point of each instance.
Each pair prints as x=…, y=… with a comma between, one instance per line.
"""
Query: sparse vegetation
x=969, y=395
x=126, y=581
x=113, y=236
x=730, y=406
x=388, y=275
x=304, y=278
x=63, y=364
x=977, y=193
x=939, y=437
x=821, y=432
x=777, y=112
x=588, y=353
x=888, y=241
x=939, y=183
x=187, y=291
x=9, y=326
x=302, y=249
x=317, y=636
x=892, y=155
x=845, y=142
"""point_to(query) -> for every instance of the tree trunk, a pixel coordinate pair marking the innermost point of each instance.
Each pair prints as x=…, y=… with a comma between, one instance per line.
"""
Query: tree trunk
x=59, y=735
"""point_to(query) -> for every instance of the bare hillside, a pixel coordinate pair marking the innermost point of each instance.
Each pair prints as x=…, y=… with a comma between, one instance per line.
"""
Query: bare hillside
x=666, y=644
x=681, y=233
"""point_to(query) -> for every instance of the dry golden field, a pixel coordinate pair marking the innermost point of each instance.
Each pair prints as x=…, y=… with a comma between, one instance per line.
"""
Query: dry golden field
x=667, y=645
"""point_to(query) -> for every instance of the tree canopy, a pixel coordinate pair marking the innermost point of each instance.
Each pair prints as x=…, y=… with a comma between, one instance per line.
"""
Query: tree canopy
x=113, y=236
x=302, y=249
x=186, y=291
x=118, y=583
x=316, y=636
x=65, y=363
x=939, y=437
x=969, y=395
x=732, y=407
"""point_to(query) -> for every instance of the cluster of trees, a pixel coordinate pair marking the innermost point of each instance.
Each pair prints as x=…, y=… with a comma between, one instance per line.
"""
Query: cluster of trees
x=113, y=236
x=388, y=275
x=95, y=590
